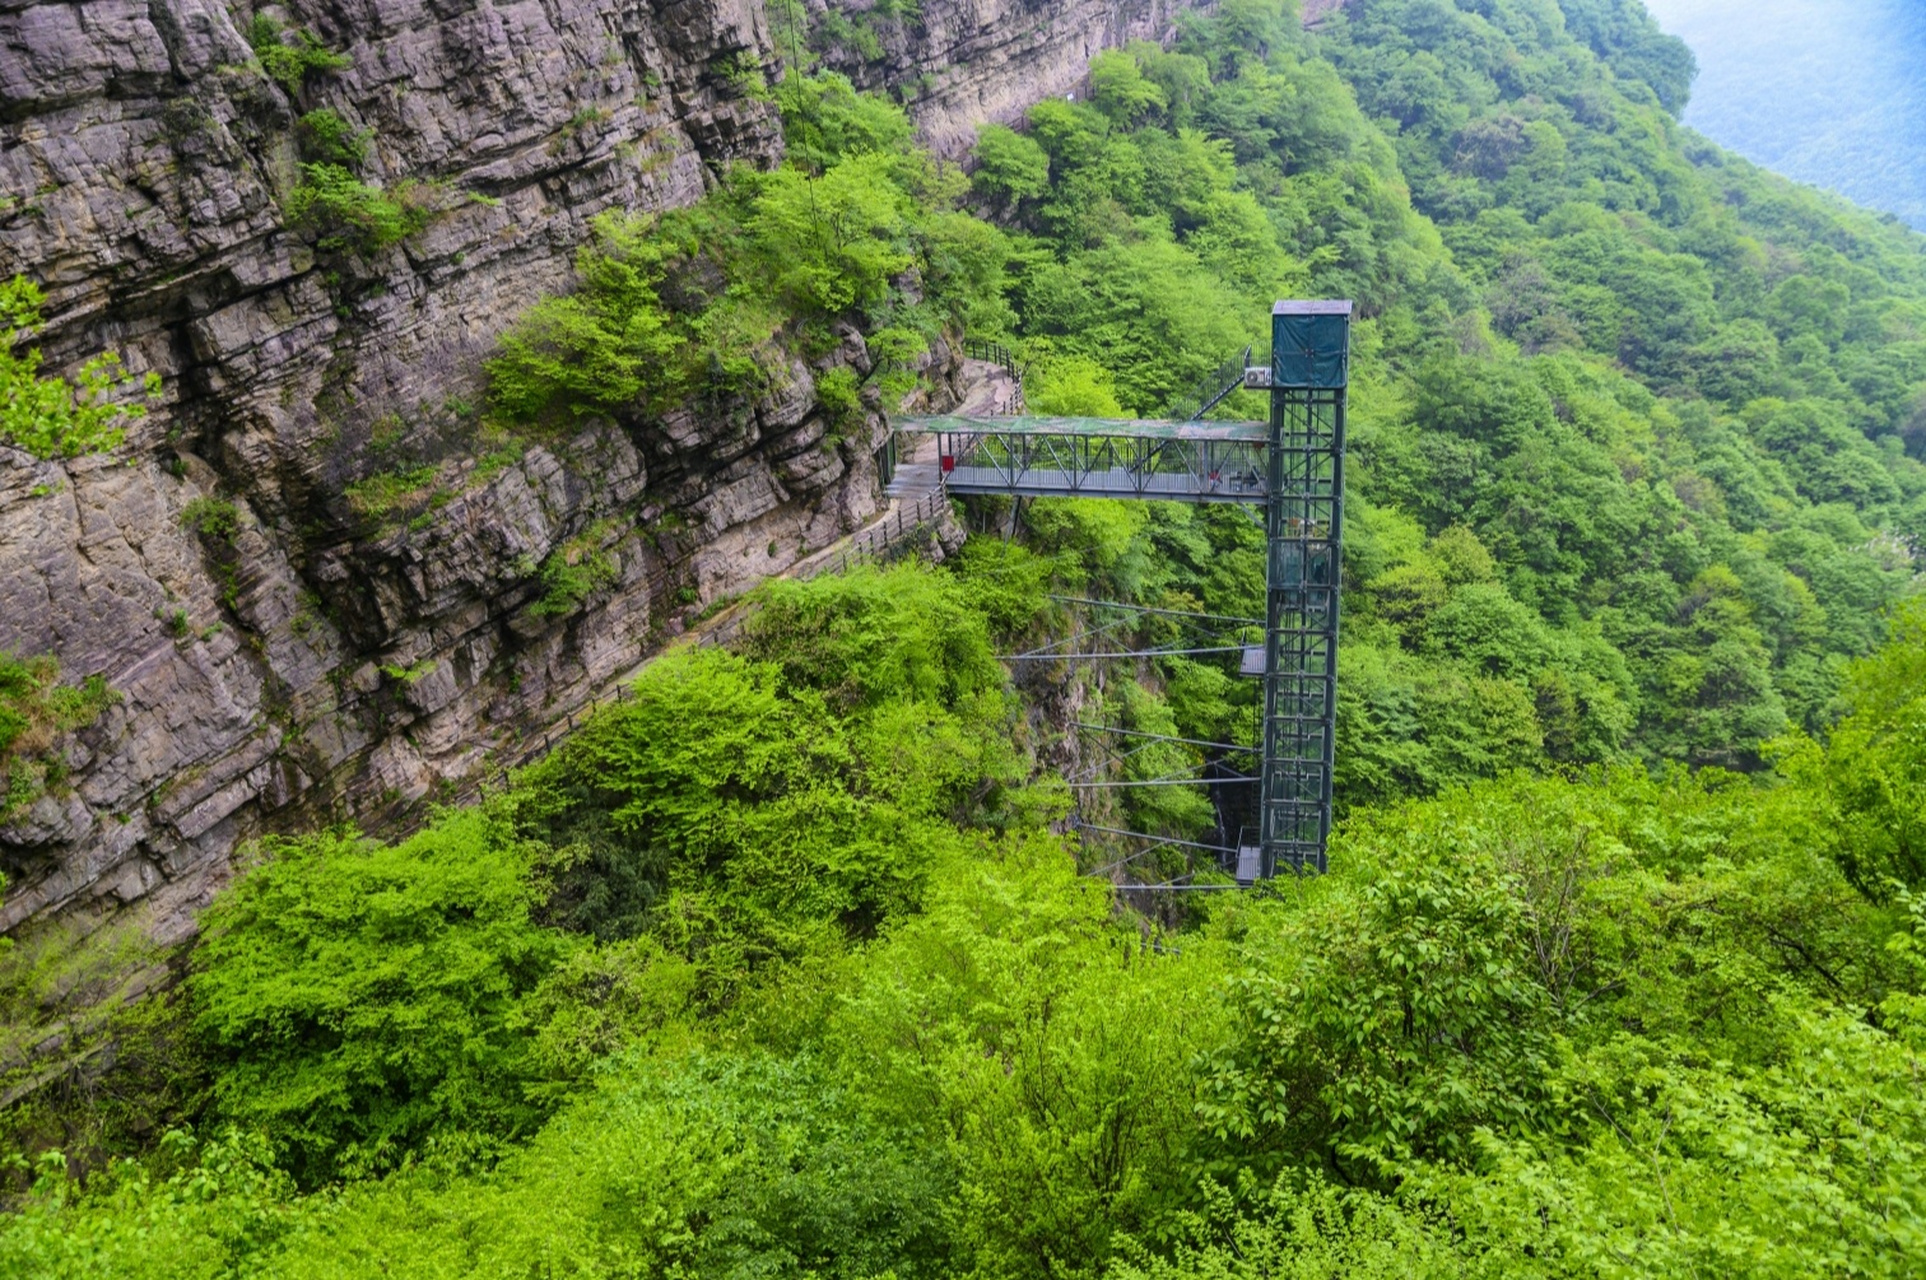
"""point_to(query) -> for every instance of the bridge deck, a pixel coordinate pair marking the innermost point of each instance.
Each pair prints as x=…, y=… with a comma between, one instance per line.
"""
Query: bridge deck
x=1055, y=457
x=1117, y=482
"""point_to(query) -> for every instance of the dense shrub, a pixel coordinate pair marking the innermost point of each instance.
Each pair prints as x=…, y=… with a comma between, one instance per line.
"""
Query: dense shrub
x=347, y=213
x=361, y=994
x=290, y=55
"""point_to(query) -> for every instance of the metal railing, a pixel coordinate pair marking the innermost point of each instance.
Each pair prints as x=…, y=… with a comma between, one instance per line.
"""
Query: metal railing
x=1039, y=464
x=1213, y=389
x=992, y=353
x=997, y=354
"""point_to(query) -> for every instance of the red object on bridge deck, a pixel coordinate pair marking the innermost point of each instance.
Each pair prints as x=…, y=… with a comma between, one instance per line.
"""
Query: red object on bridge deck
x=949, y=463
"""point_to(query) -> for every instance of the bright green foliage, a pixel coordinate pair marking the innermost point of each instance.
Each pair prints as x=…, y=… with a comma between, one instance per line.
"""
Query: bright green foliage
x=1041, y=1049
x=36, y=712
x=1766, y=1169
x=360, y=994
x=601, y=347
x=825, y=121
x=347, y=213
x=1073, y=386
x=745, y=810
x=214, y=518
x=326, y=138
x=1562, y=1027
x=291, y=55
x=1605, y=1075
x=838, y=392
x=784, y=966
x=575, y=571
x=1300, y=1227
x=217, y=1208
x=51, y=417
x=1120, y=90
x=1393, y=1023
x=700, y=302
x=867, y=639
x=834, y=241
x=1010, y=166
x=1872, y=771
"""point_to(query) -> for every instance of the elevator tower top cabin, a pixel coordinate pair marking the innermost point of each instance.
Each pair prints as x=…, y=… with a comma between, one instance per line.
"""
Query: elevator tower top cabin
x=1292, y=467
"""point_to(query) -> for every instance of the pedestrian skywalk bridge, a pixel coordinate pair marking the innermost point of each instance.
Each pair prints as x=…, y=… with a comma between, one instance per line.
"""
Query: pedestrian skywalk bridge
x=1054, y=457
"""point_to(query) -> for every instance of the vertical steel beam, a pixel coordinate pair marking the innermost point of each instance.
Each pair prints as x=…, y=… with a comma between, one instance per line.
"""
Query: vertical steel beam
x=1304, y=522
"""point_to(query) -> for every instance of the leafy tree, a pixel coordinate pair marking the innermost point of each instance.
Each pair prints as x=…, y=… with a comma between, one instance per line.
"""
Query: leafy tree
x=1399, y=1023
x=825, y=121
x=359, y=996
x=1626, y=37
x=1119, y=89
x=1010, y=166
x=596, y=350
x=1870, y=778
x=835, y=241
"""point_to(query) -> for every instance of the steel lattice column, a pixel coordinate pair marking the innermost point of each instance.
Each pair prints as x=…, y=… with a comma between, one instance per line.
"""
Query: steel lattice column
x=1304, y=520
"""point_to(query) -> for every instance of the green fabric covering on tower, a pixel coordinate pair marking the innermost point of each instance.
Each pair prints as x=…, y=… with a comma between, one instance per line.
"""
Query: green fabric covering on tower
x=1311, y=344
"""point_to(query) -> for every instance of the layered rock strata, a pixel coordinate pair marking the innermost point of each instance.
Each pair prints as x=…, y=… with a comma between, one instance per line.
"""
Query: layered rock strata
x=957, y=64
x=367, y=631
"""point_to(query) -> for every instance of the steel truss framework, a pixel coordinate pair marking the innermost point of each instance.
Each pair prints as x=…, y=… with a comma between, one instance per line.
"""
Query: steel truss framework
x=1294, y=468
x=1304, y=525
x=1100, y=458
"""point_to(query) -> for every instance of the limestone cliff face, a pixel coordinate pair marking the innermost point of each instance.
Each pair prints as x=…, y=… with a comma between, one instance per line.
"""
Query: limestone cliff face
x=364, y=638
x=961, y=63
x=160, y=159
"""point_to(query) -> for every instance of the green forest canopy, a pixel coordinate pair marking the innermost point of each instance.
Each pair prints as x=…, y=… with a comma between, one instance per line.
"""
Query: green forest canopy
x=778, y=968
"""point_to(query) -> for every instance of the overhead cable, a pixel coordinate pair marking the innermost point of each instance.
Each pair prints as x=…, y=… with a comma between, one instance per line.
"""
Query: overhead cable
x=1139, y=835
x=1126, y=653
x=1163, y=737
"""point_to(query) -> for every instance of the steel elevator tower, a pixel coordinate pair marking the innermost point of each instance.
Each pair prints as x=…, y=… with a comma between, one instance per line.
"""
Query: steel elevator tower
x=1293, y=467
x=1304, y=522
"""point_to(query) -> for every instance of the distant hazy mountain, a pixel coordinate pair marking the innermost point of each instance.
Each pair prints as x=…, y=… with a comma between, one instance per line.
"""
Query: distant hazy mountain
x=1831, y=92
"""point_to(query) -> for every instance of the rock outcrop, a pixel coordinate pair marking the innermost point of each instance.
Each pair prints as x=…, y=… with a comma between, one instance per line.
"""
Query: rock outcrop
x=363, y=634
x=161, y=159
x=960, y=63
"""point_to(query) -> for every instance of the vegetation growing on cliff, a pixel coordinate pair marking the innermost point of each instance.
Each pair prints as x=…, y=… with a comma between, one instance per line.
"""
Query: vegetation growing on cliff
x=778, y=966
x=696, y=302
x=36, y=714
x=52, y=417
x=289, y=55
